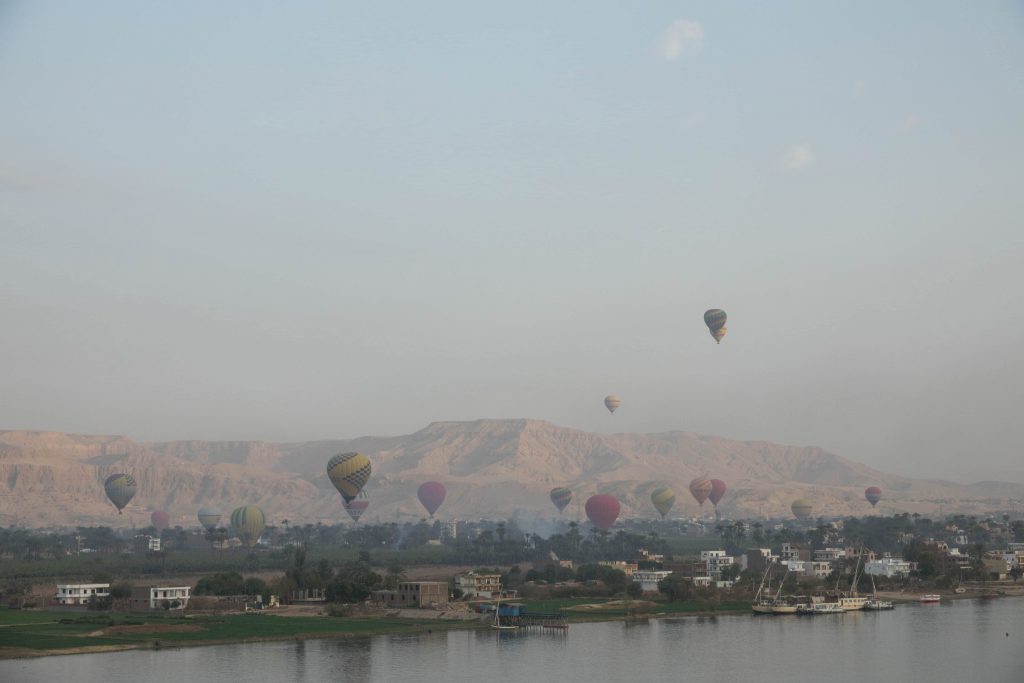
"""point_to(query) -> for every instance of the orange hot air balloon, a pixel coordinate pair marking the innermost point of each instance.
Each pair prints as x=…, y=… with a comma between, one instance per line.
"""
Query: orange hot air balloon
x=873, y=495
x=700, y=489
x=717, y=491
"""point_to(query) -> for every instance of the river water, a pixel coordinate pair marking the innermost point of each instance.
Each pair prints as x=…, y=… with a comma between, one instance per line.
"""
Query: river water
x=963, y=640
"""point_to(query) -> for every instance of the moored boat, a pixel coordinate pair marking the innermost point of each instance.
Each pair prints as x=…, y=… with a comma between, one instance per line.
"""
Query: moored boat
x=931, y=597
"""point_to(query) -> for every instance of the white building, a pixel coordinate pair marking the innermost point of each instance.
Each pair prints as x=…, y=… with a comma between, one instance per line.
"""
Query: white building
x=80, y=593
x=449, y=530
x=648, y=580
x=888, y=567
x=160, y=597
x=715, y=560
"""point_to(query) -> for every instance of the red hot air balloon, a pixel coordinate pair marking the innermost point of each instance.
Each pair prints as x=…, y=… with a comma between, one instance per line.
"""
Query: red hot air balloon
x=717, y=491
x=873, y=494
x=700, y=489
x=356, y=508
x=602, y=510
x=160, y=520
x=431, y=495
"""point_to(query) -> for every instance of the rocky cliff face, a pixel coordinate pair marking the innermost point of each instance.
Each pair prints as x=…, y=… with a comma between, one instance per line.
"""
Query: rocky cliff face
x=491, y=468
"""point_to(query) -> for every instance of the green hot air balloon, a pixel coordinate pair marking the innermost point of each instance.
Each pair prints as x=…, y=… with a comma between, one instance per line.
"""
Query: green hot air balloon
x=715, y=319
x=663, y=498
x=349, y=473
x=802, y=508
x=561, y=497
x=248, y=523
x=120, y=489
x=209, y=517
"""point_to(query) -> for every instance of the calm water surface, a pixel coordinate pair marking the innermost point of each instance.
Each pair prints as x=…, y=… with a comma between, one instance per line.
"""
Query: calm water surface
x=960, y=641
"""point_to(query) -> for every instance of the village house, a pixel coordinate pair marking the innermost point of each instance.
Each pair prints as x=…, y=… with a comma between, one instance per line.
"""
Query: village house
x=80, y=593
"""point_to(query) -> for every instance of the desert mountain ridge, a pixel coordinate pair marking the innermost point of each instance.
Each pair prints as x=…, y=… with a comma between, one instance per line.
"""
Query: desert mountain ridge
x=492, y=468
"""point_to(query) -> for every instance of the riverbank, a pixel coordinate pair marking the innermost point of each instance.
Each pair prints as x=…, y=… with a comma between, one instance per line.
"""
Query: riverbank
x=29, y=633
x=37, y=634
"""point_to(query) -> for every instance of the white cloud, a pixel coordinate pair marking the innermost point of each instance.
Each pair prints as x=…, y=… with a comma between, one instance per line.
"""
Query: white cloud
x=682, y=36
x=798, y=158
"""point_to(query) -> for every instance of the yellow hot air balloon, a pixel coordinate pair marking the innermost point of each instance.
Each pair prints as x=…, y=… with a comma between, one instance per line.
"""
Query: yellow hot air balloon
x=663, y=499
x=248, y=522
x=349, y=473
x=612, y=402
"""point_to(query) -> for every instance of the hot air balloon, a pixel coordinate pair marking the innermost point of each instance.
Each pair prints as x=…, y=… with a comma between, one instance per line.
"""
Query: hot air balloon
x=715, y=318
x=248, y=523
x=873, y=494
x=561, y=497
x=349, y=473
x=700, y=489
x=802, y=508
x=602, y=510
x=356, y=508
x=120, y=489
x=431, y=495
x=663, y=498
x=717, y=491
x=160, y=520
x=209, y=517
x=612, y=402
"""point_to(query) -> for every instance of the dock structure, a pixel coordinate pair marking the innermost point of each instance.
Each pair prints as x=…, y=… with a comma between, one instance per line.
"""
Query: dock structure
x=515, y=615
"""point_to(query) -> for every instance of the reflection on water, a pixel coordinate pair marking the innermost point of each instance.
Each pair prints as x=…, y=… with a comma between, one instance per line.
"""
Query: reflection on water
x=965, y=640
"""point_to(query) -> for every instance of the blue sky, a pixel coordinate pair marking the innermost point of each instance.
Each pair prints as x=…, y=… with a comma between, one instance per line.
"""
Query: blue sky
x=307, y=220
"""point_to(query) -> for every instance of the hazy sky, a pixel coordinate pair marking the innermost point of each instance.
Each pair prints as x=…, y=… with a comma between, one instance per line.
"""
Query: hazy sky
x=301, y=220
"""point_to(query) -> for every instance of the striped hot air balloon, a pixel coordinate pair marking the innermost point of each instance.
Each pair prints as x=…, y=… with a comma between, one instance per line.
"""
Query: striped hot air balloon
x=356, y=508
x=612, y=402
x=802, y=508
x=663, y=499
x=715, y=319
x=561, y=497
x=873, y=495
x=700, y=489
x=209, y=517
x=248, y=522
x=120, y=489
x=349, y=473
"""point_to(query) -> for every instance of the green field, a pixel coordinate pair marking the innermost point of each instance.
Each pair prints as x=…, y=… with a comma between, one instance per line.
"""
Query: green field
x=41, y=631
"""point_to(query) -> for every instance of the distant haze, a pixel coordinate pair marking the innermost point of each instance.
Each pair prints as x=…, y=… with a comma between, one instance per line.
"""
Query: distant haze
x=252, y=221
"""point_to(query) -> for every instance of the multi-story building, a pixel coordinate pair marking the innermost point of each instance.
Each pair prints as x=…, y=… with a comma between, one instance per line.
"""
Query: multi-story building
x=80, y=593
x=715, y=560
x=792, y=551
x=758, y=559
x=475, y=585
x=809, y=568
x=829, y=554
x=146, y=598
